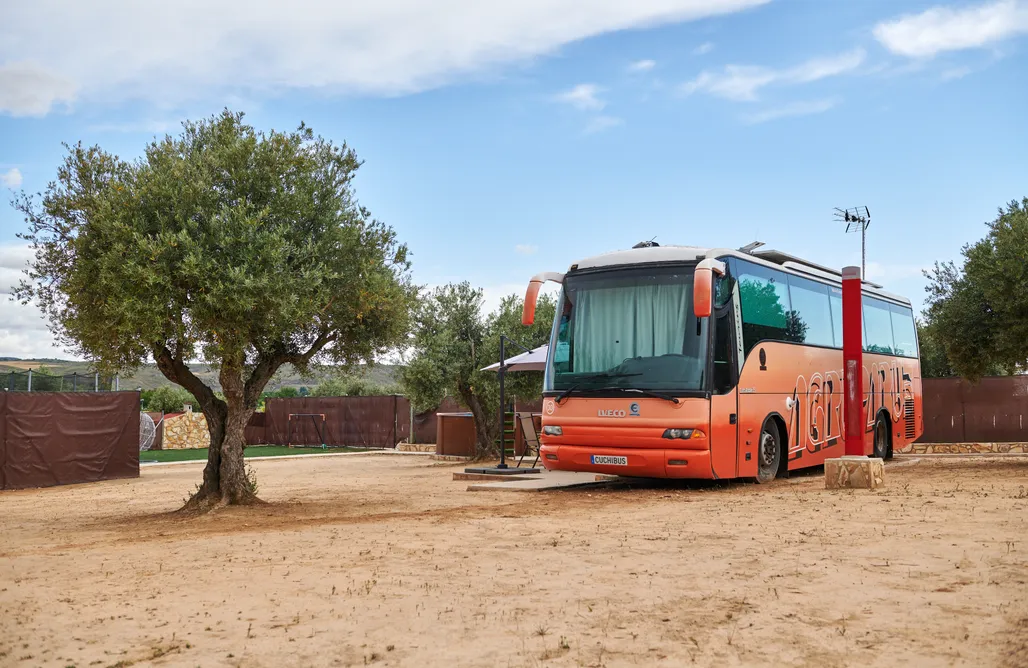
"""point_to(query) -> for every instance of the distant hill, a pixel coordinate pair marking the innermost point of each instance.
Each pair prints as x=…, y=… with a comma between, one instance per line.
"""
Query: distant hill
x=147, y=377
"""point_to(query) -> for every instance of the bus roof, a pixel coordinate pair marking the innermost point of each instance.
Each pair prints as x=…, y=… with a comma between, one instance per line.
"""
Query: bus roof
x=654, y=254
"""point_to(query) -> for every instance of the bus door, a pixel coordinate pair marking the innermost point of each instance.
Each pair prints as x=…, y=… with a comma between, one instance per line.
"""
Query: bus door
x=724, y=399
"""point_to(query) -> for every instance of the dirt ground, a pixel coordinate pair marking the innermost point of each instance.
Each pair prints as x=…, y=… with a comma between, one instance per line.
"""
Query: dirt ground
x=385, y=560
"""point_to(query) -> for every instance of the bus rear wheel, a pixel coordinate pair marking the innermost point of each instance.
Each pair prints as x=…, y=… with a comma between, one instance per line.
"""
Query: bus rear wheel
x=769, y=452
x=881, y=441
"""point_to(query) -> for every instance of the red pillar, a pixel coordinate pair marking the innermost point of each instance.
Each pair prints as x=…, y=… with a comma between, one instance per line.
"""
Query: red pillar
x=853, y=363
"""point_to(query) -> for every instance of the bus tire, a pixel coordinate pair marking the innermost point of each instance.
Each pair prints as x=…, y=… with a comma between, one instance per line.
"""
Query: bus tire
x=882, y=438
x=769, y=452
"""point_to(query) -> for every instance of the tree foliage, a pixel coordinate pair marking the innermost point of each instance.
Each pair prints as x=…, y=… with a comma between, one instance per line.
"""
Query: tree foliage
x=243, y=249
x=352, y=386
x=166, y=399
x=453, y=341
x=979, y=312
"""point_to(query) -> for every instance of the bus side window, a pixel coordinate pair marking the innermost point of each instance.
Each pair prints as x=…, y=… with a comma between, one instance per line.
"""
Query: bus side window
x=724, y=362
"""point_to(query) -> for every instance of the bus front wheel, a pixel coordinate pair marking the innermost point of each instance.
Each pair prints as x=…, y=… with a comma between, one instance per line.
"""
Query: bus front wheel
x=769, y=454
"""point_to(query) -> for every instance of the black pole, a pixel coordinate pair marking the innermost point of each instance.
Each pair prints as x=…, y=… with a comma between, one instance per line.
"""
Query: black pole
x=503, y=412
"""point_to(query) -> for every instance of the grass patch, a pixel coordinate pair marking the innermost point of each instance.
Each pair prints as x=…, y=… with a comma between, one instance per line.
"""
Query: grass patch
x=255, y=451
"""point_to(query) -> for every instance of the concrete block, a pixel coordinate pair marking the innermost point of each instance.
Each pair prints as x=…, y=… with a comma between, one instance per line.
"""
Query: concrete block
x=854, y=473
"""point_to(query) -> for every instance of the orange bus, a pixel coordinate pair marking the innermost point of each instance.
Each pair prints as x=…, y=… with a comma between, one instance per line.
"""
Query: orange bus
x=683, y=362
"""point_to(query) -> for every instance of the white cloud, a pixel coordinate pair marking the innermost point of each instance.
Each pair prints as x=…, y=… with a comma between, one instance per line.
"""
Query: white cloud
x=148, y=127
x=11, y=178
x=743, y=82
x=583, y=96
x=14, y=259
x=526, y=249
x=793, y=109
x=703, y=49
x=23, y=331
x=26, y=89
x=601, y=123
x=946, y=29
x=170, y=52
x=737, y=82
x=955, y=73
x=642, y=66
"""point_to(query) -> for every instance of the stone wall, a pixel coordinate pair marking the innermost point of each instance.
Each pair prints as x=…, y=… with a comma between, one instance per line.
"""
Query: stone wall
x=185, y=431
x=963, y=448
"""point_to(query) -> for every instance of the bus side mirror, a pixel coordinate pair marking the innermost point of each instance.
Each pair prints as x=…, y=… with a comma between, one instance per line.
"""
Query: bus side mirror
x=532, y=294
x=703, y=286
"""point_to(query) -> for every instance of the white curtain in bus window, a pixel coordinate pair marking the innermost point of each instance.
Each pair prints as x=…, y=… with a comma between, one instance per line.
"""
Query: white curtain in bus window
x=903, y=331
x=766, y=313
x=810, y=309
x=635, y=320
x=877, y=327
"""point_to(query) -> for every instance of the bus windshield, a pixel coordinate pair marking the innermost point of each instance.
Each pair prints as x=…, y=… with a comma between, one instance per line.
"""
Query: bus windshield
x=628, y=329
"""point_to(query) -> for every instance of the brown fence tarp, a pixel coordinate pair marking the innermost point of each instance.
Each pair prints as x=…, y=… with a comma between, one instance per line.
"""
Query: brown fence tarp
x=255, y=432
x=3, y=439
x=995, y=410
x=372, y=422
x=59, y=438
x=426, y=424
x=359, y=421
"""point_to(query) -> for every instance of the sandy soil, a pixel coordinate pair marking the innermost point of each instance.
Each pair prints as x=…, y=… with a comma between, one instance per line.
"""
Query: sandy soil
x=385, y=560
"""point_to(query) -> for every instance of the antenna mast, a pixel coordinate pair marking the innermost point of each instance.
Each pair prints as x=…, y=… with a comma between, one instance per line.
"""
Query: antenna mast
x=857, y=219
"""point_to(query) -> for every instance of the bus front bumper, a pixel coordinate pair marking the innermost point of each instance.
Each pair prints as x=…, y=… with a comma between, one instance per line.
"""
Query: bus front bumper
x=631, y=462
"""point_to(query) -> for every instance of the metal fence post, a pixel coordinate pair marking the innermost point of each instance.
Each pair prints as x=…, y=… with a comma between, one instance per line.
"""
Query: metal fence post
x=96, y=382
x=30, y=380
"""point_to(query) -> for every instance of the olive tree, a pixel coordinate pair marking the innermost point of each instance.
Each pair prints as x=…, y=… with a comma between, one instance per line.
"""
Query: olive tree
x=978, y=312
x=454, y=340
x=243, y=249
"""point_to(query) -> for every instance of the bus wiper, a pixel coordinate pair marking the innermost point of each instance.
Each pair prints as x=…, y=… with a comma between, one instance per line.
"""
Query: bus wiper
x=566, y=393
x=651, y=393
x=601, y=374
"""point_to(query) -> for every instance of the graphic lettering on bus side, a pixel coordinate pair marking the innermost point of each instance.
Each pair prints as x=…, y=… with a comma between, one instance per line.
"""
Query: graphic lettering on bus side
x=815, y=412
x=886, y=378
x=822, y=426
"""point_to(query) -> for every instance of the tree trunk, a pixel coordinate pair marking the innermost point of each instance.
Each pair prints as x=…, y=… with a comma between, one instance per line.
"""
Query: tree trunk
x=485, y=427
x=225, y=478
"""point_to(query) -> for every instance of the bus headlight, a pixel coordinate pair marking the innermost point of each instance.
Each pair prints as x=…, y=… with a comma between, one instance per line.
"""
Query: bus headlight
x=553, y=430
x=682, y=434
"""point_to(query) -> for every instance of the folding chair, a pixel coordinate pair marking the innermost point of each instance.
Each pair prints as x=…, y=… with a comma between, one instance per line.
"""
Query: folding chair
x=530, y=437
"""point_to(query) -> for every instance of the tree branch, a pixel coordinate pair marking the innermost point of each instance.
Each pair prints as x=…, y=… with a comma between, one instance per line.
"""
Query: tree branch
x=303, y=358
x=268, y=363
x=175, y=370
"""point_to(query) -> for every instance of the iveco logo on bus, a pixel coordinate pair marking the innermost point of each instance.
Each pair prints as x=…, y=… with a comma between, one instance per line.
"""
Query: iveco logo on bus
x=611, y=412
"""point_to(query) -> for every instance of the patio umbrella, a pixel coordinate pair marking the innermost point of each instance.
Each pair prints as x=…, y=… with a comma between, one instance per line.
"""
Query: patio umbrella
x=530, y=360
x=533, y=360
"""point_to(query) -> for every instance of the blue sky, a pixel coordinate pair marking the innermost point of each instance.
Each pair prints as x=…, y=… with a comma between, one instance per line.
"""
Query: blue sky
x=500, y=141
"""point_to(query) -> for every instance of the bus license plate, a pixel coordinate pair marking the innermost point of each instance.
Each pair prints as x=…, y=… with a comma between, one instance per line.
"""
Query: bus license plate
x=609, y=460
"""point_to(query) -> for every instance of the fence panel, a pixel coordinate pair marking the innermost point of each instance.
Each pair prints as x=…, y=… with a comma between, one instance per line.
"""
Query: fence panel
x=993, y=411
x=255, y=432
x=373, y=422
x=23, y=381
x=63, y=438
x=3, y=439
